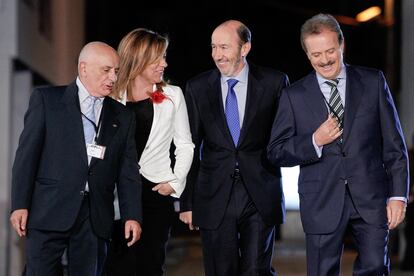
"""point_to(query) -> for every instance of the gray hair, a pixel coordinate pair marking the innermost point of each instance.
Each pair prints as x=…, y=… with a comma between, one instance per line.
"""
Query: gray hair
x=317, y=24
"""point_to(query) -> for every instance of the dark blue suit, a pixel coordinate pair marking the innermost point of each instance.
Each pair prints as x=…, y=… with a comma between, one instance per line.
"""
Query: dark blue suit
x=51, y=169
x=212, y=184
x=351, y=180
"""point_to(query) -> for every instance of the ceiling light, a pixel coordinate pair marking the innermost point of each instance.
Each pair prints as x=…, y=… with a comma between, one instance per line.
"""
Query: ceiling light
x=368, y=14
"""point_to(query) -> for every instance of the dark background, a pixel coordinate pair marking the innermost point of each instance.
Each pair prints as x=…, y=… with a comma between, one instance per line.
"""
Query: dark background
x=275, y=27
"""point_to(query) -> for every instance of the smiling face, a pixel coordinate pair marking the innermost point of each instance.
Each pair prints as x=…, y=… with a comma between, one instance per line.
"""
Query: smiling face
x=226, y=51
x=325, y=53
x=154, y=72
x=98, y=69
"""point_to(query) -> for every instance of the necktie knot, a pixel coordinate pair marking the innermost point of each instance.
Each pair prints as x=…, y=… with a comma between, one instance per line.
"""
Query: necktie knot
x=92, y=99
x=332, y=83
x=231, y=83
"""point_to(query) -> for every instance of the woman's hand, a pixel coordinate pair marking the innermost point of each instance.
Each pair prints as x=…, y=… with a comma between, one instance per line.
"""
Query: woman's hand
x=163, y=188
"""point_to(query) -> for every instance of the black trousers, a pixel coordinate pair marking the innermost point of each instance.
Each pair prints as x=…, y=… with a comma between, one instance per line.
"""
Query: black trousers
x=324, y=251
x=243, y=244
x=147, y=256
x=86, y=252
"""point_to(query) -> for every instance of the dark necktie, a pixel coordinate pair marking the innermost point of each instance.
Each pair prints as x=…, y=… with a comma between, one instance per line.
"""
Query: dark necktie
x=335, y=102
x=232, y=111
x=87, y=119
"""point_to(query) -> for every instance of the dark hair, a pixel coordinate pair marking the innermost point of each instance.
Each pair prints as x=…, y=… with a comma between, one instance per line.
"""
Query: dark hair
x=317, y=24
x=244, y=34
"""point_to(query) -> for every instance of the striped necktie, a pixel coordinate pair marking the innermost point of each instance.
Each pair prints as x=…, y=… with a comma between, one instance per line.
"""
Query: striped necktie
x=335, y=102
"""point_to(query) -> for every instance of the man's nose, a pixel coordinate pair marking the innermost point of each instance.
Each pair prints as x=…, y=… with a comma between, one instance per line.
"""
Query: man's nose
x=216, y=54
x=324, y=58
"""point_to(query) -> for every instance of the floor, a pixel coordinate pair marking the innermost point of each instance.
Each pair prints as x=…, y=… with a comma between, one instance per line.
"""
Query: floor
x=185, y=259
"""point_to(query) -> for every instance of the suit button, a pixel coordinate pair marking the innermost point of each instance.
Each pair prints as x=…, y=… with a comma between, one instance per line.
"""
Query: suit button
x=343, y=154
x=90, y=173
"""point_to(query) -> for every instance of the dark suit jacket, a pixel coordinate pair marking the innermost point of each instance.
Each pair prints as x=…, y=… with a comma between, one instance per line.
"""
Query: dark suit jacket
x=209, y=181
x=51, y=166
x=372, y=158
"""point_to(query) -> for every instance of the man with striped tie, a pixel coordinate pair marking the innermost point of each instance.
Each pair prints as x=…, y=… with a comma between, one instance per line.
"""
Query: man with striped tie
x=340, y=125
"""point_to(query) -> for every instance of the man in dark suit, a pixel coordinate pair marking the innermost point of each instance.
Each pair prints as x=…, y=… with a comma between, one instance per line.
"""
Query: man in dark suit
x=353, y=162
x=63, y=184
x=233, y=194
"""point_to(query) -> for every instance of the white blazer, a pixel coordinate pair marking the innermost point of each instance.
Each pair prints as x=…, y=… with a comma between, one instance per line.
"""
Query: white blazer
x=170, y=124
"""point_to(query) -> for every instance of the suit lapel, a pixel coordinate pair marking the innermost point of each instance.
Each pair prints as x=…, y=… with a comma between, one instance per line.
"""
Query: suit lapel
x=254, y=95
x=216, y=105
x=354, y=91
x=109, y=125
x=314, y=98
x=73, y=120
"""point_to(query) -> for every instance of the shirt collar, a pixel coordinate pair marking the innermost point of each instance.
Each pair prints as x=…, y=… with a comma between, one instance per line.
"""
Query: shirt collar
x=83, y=92
x=241, y=77
x=341, y=76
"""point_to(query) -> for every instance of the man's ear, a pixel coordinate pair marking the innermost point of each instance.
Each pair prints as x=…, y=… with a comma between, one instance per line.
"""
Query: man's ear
x=343, y=46
x=245, y=49
x=82, y=68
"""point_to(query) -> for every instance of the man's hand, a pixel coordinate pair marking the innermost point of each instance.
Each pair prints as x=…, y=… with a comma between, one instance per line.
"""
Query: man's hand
x=327, y=132
x=187, y=218
x=395, y=212
x=134, y=227
x=18, y=220
x=163, y=188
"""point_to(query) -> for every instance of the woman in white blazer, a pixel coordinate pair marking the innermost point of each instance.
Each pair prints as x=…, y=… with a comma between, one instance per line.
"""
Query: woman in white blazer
x=162, y=119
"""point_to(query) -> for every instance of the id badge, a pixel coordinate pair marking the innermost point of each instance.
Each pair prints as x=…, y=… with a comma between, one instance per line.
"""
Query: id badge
x=96, y=151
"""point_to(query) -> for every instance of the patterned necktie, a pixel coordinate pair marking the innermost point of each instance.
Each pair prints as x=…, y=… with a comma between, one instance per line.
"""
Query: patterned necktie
x=89, y=117
x=335, y=102
x=232, y=111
